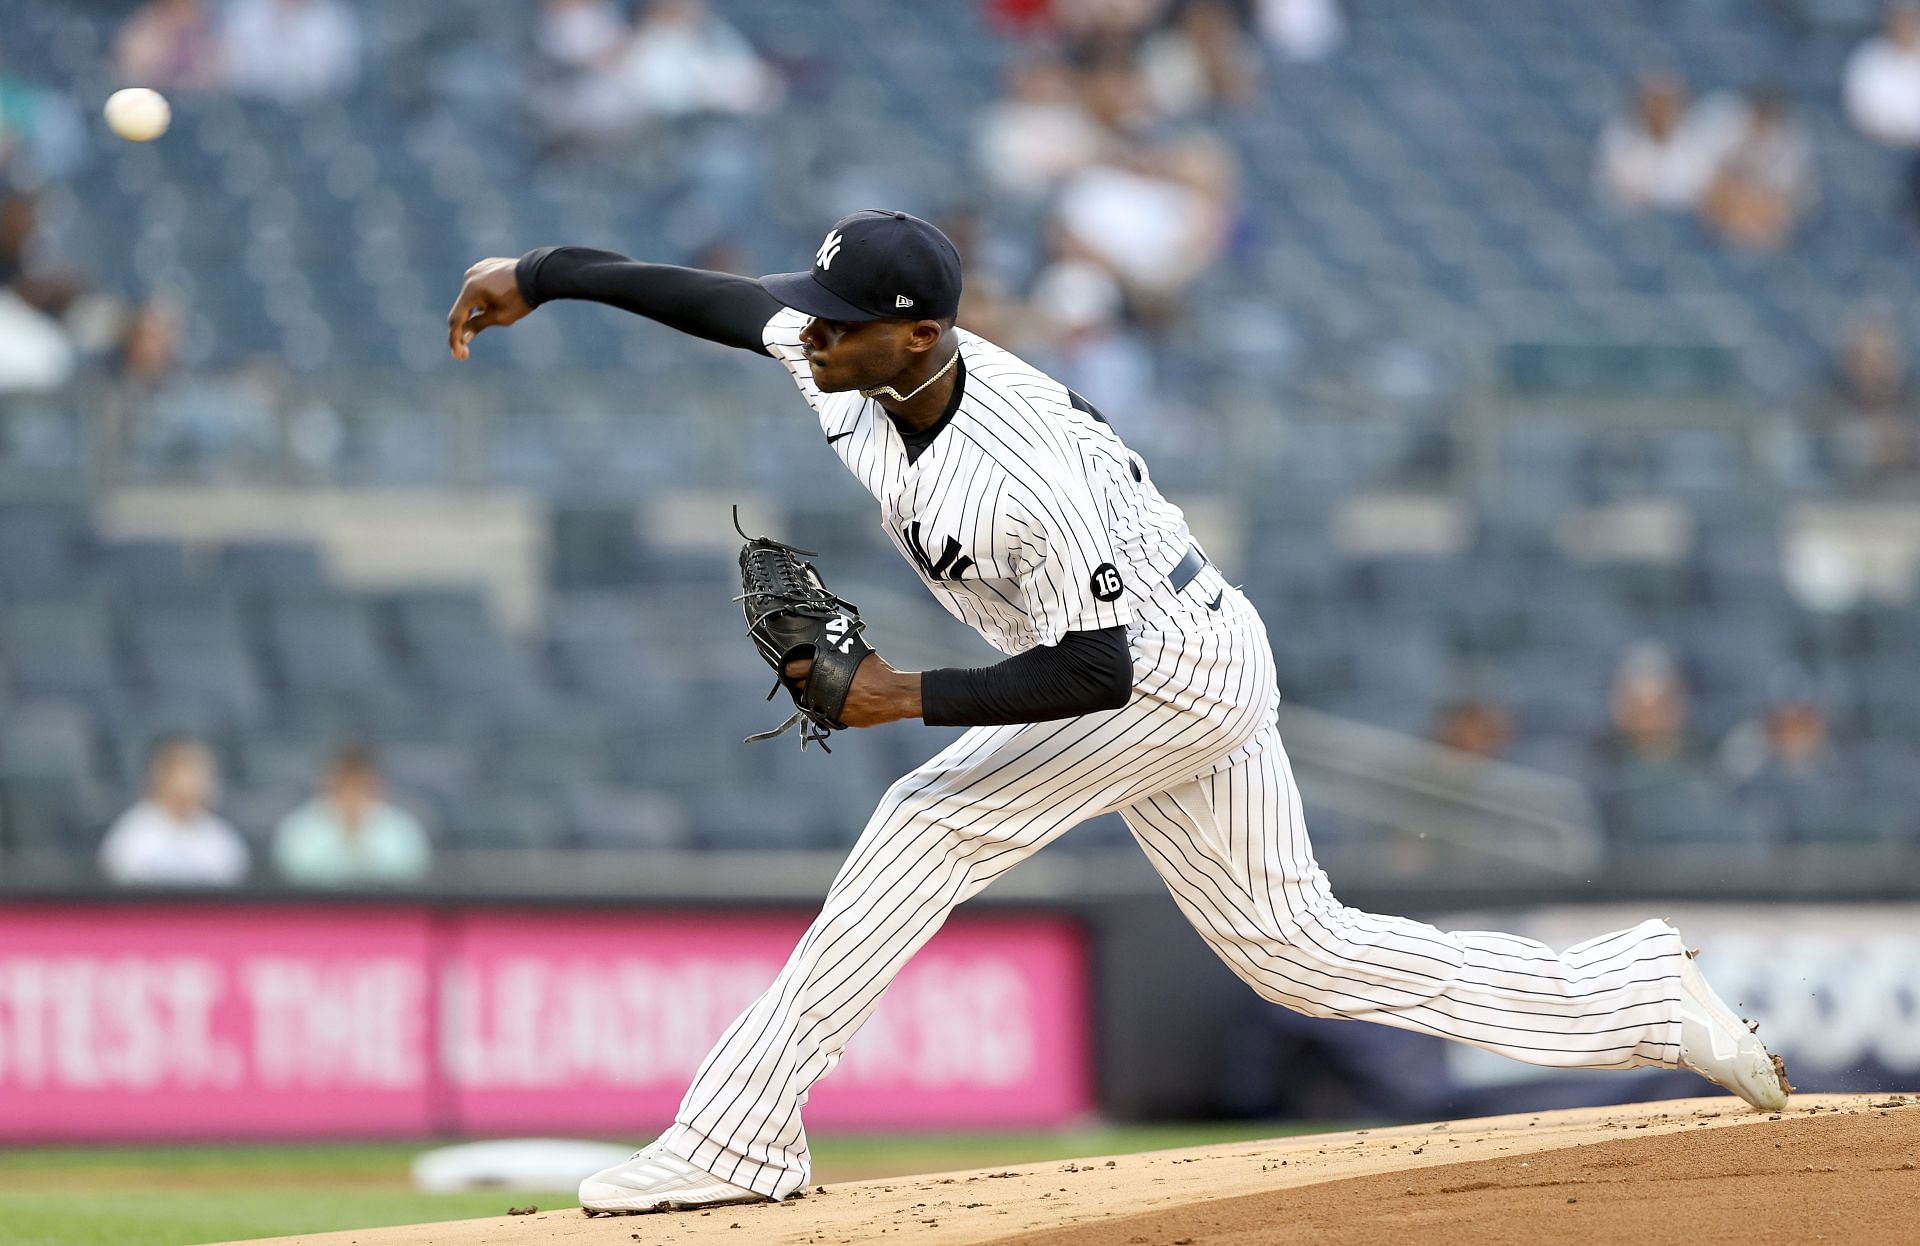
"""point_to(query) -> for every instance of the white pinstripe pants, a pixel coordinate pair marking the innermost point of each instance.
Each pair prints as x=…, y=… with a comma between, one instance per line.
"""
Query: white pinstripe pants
x=1196, y=767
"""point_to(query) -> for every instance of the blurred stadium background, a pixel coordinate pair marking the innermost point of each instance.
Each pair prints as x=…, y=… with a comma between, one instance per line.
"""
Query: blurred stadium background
x=1542, y=371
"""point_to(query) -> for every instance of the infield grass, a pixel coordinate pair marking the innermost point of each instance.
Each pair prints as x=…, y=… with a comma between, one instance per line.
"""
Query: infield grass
x=183, y=1195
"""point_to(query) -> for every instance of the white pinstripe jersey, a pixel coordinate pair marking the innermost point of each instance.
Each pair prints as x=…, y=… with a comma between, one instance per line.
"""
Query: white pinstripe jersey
x=1027, y=517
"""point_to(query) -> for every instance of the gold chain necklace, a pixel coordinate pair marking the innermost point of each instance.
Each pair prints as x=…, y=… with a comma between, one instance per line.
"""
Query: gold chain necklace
x=888, y=391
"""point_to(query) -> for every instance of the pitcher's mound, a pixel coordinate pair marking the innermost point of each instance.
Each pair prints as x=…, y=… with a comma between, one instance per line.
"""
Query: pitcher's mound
x=1843, y=1168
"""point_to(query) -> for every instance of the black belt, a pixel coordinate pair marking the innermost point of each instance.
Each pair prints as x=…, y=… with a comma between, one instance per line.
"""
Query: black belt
x=1188, y=567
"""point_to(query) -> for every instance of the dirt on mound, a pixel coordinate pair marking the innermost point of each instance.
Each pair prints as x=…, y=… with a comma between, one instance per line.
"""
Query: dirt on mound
x=1837, y=1177
x=1831, y=1166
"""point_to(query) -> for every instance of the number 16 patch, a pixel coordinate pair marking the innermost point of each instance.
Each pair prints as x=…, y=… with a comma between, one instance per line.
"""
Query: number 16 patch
x=1106, y=582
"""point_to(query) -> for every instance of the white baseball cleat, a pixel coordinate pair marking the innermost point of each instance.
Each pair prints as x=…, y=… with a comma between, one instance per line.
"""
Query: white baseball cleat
x=1719, y=1046
x=655, y=1179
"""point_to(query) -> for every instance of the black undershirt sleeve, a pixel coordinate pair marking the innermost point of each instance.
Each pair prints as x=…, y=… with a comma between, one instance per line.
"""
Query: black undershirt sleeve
x=719, y=307
x=1083, y=674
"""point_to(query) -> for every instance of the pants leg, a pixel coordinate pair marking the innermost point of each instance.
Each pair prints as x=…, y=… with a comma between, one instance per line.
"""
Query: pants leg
x=938, y=837
x=1232, y=848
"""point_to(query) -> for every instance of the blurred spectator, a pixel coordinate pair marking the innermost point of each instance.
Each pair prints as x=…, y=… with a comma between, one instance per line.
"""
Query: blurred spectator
x=36, y=353
x=1156, y=218
x=1878, y=433
x=1882, y=89
x=1077, y=316
x=685, y=59
x=1474, y=726
x=1764, y=183
x=168, y=45
x=1038, y=132
x=1789, y=779
x=172, y=837
x=52, y=290
x=1665, y=153
x=1650, y=706
x=1301, y=30
x=51, y=319
x=582, y=34
x=153, y=410
x=990, y=309
x=1656, y=781
x=1204, y=61
x=607, y=81
x=1873, y=367
x=1095, y=29
x=989, y=305
x=580, y=93
x=290, y=50
x=1881, y=82
x=41, y=135
x=1114, y=93
x=349, y=834
x=149, y=344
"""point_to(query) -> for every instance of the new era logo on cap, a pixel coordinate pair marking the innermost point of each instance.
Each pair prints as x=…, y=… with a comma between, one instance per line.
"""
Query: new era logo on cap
x=876, y=266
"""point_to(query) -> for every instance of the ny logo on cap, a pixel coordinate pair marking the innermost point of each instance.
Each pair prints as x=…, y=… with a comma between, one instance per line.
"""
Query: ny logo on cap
x=901, y=300
x=828, y=249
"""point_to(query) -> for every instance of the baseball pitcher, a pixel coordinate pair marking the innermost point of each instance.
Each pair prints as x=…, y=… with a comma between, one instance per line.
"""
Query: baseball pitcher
x=1135, y=679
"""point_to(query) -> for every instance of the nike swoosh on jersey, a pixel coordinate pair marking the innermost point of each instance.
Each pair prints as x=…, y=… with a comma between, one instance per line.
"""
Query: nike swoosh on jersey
x=833, y=437
x=1217, y=599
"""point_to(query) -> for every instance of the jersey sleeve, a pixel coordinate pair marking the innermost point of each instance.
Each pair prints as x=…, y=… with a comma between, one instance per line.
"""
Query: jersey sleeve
x=1069, y=579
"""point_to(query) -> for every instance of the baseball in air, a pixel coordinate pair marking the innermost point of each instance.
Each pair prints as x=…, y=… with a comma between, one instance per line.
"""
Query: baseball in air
x=138, y=114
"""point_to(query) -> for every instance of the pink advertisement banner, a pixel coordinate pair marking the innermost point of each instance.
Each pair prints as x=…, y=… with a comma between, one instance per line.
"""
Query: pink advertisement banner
x=310, y=1020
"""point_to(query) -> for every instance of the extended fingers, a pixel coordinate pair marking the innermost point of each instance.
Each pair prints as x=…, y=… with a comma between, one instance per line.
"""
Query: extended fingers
x=459, y=332
x=483, y=302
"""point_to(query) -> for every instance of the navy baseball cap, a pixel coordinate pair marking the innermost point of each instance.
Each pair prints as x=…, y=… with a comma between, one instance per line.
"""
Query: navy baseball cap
x=876, y=265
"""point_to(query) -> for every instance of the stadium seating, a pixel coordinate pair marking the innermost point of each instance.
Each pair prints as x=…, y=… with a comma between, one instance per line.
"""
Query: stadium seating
x=608, y=731
x=1440, y=162
x=1416, y=206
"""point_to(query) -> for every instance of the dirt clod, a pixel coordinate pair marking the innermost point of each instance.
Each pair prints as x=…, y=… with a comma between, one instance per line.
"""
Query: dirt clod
x=528, y=1210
